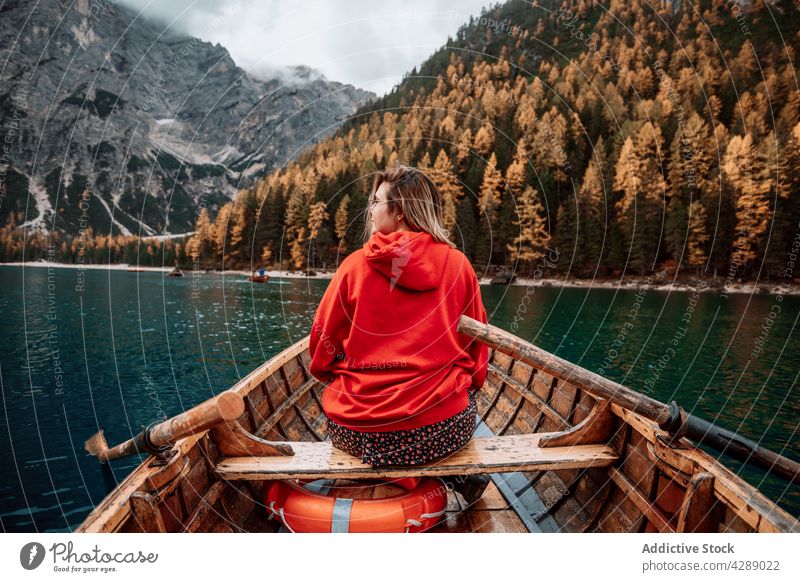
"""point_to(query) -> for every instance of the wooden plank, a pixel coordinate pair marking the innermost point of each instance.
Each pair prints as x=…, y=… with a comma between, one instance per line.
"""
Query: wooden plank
x=284, y=407
x=647, y=508
x=491, y=499
x=510, y=485
x=532, y=397
x=481, y=455
x=747, y=502
x=145, y=511
x=503, y=521
x=598, y=385
x=204, y=508
x=516, y=488
x=452, y=522
x=698, y=511
x=597, y=427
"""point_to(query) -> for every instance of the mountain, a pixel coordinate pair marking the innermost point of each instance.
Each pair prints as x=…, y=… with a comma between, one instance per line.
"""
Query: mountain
x=591, y=139
x=153, y=125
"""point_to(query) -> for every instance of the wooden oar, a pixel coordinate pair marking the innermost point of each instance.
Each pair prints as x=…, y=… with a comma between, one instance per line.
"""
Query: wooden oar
x=225, y=407
x=669, y=417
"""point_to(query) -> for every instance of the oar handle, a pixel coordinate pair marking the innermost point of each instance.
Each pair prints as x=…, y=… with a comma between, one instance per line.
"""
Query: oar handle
x=225, y=407
x=741, y=448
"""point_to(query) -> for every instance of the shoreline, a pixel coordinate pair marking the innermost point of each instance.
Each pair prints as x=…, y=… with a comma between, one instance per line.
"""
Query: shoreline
x=632, y=283
x=638, y=282
x=136, y=269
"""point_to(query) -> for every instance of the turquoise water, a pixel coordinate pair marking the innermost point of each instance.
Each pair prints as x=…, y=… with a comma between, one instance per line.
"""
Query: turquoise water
x=125, y=348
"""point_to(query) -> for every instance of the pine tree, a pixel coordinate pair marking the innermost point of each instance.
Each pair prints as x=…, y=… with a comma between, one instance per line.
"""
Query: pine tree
x=489, y=203
x=627, y=178
x=449, y=187
x=782, y=174
x=243, y=227
x=549, y=144
x=566, y=235
x=202, y=243
x=316, y=222
x=516, y=173
x=691, y=159
x=297, y=251
x=698, y=237
x=298, y=212
x=676, y=228
x=464, y=150
x=343, y=223
x=484, y=140
x=221, y=238
x=642, y=185
x=592, y=210
x=532, y=237
x=745, y=172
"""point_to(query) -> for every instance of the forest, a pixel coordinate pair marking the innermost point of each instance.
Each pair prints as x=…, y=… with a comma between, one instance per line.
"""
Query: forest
x=632, y=137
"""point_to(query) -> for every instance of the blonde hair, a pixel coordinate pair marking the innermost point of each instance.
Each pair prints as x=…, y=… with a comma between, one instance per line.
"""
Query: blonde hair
x=412, y=193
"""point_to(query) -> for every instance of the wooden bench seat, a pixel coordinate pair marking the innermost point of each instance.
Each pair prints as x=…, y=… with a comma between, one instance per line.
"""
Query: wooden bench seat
x=496, y=454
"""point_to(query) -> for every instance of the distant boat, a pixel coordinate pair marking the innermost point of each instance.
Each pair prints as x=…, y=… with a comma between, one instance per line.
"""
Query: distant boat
x=176, y=272
x=503, y=278
x=259, y=278
x=135, y=270
x=567, y=450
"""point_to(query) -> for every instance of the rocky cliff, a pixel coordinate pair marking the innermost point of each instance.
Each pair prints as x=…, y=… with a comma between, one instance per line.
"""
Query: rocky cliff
x=110, y=121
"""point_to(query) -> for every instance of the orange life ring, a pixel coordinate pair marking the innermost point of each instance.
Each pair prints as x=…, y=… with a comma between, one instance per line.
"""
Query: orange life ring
x=301, y=510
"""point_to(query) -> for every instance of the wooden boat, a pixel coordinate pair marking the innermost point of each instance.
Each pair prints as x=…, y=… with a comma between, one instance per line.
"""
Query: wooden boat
x=564, y=454
x=176, y=272
x=259, y=278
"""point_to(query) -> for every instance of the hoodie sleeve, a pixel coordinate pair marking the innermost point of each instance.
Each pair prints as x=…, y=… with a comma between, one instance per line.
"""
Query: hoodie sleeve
x=330, y=328
x=478, y=351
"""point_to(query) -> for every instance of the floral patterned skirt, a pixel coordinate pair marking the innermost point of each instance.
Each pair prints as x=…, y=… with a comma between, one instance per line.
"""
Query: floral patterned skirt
x=408, y=447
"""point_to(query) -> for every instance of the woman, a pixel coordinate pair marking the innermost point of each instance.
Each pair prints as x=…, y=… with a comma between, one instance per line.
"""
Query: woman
x=401, y=378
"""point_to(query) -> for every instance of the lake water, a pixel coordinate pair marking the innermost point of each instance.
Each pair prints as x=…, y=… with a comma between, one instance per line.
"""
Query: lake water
x=129, y=347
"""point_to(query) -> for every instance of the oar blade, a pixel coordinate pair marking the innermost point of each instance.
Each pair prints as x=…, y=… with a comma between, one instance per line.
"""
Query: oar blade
x=96, y=444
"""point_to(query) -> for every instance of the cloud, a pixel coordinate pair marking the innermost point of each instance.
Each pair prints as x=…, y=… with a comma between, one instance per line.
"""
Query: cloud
x=364, y=43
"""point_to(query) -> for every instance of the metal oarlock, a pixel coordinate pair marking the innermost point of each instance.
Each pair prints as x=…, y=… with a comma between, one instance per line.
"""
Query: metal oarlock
x=163, y=454
x=676, y=425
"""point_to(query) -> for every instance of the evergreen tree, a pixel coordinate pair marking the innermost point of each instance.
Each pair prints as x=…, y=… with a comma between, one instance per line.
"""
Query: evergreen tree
x=343, y=223
x=202, y=242
x=698, y=237
x=243, y=223
x=449, y=187
x=532, y=238
x=490, y=197
x=745, y=172
x=592, y=210
x=316, y=224
x=566, y=236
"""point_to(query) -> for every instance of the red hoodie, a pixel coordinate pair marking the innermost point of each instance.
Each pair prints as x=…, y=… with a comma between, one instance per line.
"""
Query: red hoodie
x=385, y=336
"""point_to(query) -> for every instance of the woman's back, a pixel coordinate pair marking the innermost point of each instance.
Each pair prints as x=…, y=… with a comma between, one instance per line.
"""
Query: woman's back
x=385, y=336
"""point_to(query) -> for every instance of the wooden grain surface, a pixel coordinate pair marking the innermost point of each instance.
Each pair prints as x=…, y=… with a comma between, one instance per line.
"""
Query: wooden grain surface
x=480, y=455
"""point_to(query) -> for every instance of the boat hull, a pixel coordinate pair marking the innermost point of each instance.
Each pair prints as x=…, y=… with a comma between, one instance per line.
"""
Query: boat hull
x=654, y=486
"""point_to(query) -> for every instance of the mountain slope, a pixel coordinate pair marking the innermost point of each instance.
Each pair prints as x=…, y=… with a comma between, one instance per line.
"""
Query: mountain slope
x=153, y=125
x=632, y=136
x=592, y=139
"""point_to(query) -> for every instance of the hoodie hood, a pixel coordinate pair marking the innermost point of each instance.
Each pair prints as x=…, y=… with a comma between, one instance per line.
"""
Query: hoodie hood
x=412, y=260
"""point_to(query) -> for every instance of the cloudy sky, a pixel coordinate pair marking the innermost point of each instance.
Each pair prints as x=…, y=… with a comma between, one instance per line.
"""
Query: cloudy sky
x=369, y=44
